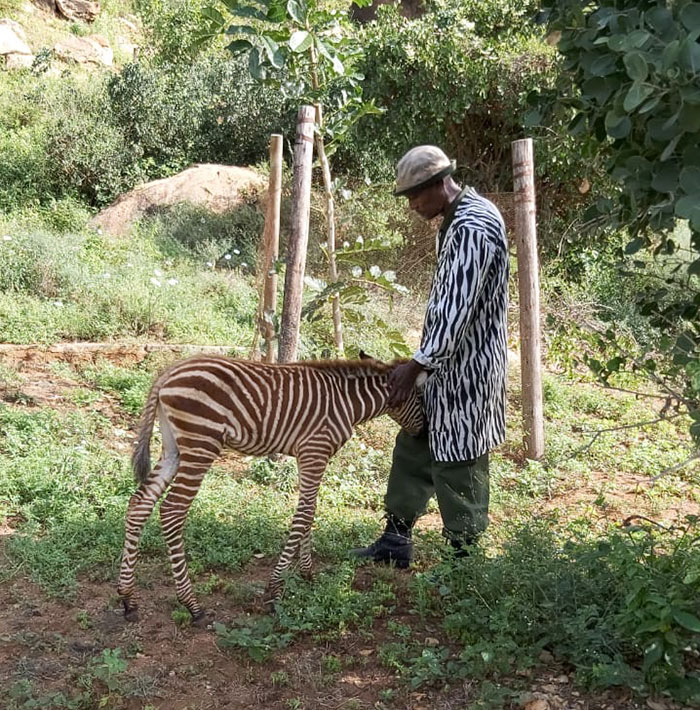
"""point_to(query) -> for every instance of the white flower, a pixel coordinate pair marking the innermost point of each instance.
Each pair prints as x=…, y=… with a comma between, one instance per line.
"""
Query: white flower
x=360, y=240
x=172, y=282
x=236, y=251
x=227, y=257
x=202, y=220
x=99, y=231
x=346, y=194
x=210, y=264
x=324, y=245
x=106, y=275
x=157, y=272
x=346, y=245
x=400, y=288
x=7, y=238
x=244, y=265
x=129, y=264
x=58, y=304
x=375, y=271
x=155, y=282
x=390, y=276
x=357, y=271
x=314, y=284
x=367, y=180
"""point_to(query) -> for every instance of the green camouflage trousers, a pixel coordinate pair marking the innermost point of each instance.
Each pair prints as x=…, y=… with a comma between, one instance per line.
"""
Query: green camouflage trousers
x=461, y=487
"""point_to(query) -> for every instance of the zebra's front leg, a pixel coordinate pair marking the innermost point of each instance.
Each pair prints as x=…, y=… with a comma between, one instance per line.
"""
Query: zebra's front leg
x=311, y=468
x=140, y=508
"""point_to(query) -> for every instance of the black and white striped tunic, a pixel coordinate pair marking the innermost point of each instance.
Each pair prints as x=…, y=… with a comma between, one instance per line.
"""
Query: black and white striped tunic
x=464, y=341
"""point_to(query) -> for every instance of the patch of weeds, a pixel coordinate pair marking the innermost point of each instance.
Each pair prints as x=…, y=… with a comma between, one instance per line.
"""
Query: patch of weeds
x=100, y=685
x=330, y=604
x=181, y=616
x=622, y=609
x=258, y=636
x=331, y=664
x=83, y=620
x=282, y=475
x=83, y=397
x=279, y=678
x=131, y=385
x=294, y=703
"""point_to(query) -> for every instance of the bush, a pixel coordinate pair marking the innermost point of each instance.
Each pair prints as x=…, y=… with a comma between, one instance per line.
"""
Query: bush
x=446, y=80
x=206, y=111
x=621, y=609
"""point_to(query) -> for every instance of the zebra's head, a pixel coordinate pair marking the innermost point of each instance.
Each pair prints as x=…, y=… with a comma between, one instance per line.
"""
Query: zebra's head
x=409, y=414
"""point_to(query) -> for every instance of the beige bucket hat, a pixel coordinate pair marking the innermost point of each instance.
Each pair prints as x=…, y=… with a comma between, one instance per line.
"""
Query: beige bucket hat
x=422, y=167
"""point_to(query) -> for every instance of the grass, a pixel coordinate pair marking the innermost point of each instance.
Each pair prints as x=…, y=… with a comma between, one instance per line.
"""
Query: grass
x=537, y=583
x=555, y=573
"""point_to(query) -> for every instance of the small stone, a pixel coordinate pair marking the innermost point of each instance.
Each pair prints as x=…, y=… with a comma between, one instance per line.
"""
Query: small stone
x=546, y=657
x=656, y=704
x=171, y=674
x=562, y=679
x=431, y=641
x=537, y=704
x=366, y=651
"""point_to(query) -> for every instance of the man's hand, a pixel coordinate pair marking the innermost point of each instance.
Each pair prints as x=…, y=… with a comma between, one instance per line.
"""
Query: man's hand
x=401, y=381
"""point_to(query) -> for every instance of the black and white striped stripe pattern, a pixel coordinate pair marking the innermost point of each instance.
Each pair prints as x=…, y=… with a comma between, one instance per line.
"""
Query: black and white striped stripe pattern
x=307, y=410
x=464, y=342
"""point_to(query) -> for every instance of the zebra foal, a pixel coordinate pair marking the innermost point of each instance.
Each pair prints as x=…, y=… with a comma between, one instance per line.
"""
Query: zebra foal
x=306, y=410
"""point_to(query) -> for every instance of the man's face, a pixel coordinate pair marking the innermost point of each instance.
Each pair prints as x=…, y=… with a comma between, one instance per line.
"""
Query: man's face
x=428, y=203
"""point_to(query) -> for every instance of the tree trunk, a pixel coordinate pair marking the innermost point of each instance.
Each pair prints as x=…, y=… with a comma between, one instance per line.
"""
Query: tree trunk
x=299, y=235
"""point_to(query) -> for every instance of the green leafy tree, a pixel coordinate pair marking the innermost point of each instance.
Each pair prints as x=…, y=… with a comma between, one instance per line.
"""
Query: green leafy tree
x=631, y=79
x=309, y=53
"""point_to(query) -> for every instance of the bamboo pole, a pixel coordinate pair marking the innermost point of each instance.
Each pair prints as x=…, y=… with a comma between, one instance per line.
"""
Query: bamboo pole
x=271, y=238
x=529, y=290
x=299, y=235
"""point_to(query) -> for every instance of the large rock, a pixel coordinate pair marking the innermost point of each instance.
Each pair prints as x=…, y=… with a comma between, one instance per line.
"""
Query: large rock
x=78, y=9
x=85, y=50
x=12, y=38
x=75, y=10
x=19, y=61
x=217, y=187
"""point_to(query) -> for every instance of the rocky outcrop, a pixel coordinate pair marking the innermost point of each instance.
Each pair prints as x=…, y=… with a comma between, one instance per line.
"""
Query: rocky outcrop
x=218, y=187
x=85, y=50
x=74, y=10
x=13, y=45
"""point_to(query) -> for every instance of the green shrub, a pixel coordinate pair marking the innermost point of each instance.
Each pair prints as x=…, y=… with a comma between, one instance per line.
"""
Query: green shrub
x=622, y=609
x=209, y=110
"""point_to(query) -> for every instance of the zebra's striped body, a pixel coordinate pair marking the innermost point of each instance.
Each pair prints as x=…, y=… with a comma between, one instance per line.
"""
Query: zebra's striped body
x=307, y=410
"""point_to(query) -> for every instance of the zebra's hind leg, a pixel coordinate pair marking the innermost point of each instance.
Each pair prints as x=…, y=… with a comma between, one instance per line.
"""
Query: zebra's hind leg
x=173, y=513
x=140, y=507
x=311, y=468
x=305, y=555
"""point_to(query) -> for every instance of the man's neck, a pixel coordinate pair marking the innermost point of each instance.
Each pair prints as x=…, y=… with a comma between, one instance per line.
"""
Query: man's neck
x=452, y=191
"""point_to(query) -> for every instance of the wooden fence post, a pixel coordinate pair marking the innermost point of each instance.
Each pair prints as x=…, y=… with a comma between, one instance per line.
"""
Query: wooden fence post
x=299, y=235
x=529, y=290
x=271, y=238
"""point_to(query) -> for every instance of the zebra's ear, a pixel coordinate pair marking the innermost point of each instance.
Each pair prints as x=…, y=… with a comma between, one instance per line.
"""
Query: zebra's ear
x=364, y=356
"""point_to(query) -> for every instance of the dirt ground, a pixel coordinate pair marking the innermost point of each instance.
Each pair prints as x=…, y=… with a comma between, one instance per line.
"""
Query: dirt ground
x=50, y=642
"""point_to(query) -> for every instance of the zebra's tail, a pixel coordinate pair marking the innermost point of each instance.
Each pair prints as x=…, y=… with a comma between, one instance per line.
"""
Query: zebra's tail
x=141, y=456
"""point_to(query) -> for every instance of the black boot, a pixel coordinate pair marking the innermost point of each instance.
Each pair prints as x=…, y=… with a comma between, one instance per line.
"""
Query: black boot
x=463, y=545
x=394, y=546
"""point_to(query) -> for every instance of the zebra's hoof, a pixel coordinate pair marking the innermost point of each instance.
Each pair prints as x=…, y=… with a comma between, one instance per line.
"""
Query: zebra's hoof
x=307, y=574
x=271, y=597
x=199, y=619
x=131, y=612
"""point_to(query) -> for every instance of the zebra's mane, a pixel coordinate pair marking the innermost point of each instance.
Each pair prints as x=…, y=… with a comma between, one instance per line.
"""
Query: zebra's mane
x=353, y=368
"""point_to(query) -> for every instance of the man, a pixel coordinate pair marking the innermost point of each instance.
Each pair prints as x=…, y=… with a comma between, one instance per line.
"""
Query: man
x=464, y=353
